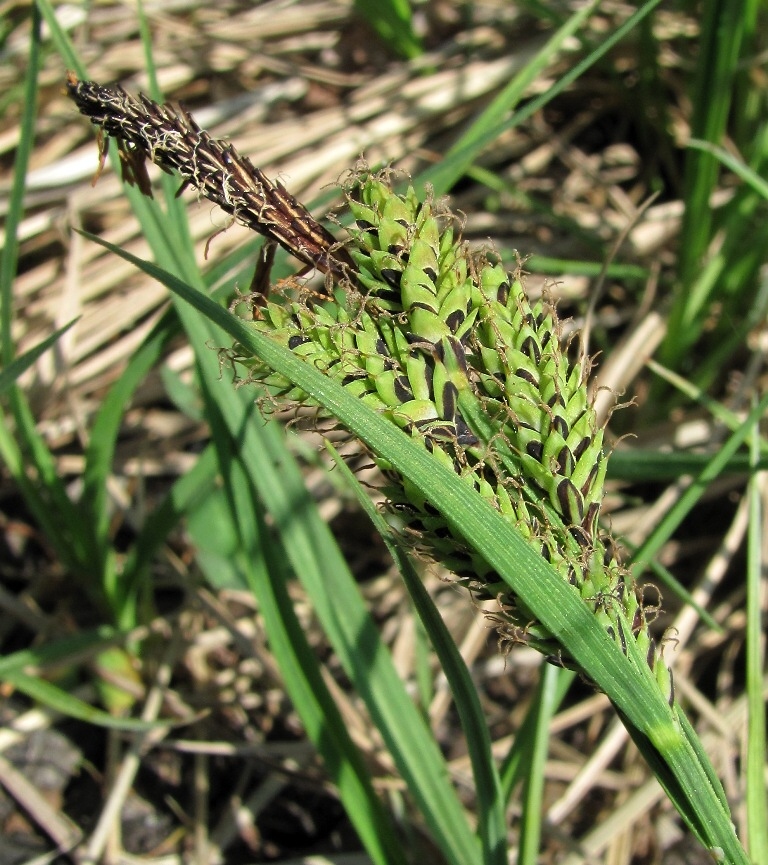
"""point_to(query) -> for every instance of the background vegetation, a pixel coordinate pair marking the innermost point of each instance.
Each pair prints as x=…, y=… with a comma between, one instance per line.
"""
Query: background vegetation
x=154, y=528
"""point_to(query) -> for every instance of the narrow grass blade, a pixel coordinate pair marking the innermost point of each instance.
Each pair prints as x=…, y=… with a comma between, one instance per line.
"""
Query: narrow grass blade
x=65, y=703
x=737, y=166
x=393, y=21
x=10, y=251
x=16, y=368
x=493, y=121
x=492, y=828
x=533, y=795
x=60, y=653
x=721, y=40
x=121, y=589
x=757, y=797
x=516, y=764
x=263, y=564
x=316, y=559
x=682, y=507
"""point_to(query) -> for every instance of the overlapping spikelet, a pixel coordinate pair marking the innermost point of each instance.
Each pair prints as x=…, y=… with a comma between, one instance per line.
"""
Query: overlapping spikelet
x=431, y=328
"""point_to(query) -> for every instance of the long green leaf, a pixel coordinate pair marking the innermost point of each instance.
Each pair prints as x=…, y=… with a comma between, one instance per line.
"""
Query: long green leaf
x=11, y=373
x=487, y=782
x=264, y=566
x=626, y=680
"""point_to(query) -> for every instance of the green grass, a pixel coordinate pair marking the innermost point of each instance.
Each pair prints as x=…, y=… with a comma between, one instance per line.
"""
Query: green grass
x=245, y=502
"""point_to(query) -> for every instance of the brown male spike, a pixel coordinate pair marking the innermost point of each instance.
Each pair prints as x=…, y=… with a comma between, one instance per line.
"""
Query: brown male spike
x=172, y=139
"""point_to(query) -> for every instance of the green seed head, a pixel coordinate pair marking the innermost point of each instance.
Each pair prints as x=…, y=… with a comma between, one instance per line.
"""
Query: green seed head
x=430, y=329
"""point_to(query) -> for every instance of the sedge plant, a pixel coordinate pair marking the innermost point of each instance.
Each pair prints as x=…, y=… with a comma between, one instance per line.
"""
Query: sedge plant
x=465, y=395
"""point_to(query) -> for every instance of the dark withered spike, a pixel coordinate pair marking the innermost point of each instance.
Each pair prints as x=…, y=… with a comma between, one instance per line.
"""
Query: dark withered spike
x=173, y=140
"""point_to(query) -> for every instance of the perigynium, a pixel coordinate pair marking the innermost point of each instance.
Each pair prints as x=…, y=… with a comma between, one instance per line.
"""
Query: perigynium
x=446, y=345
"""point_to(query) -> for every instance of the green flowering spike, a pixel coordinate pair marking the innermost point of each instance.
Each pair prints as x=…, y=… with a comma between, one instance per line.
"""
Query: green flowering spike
x=427, y=325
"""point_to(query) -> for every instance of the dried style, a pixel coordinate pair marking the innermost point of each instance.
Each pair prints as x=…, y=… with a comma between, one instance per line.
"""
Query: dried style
x=172, y=139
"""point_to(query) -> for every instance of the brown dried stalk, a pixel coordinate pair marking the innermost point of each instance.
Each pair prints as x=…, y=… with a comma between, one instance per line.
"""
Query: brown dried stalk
x=173, y=140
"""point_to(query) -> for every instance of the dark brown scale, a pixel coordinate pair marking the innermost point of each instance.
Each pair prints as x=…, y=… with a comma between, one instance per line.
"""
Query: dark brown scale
x=589, y=523
x=587, y=485
x=392, y=277
x=403, y=388
x=565, y=461
x=353, y=377
x=555, y=399
x=455, y=320
x=545, y=338
x=398, y=250
x=535, y=449
x=531, y=348
x=502, y=293
x=381, y=348
x=638, y=621
x=581, y=448
x=458, y=353
x=464, y=435
x=393, y=297
x=561, y=425
x=365, y=226
x=580, y=536
x=429, y=379
x=420, y=304
x=448, y=396
x=437, y=431
x=431, y=274
x=295, y=341
x=566, y=494
x=404, y=223
x=527, y=375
